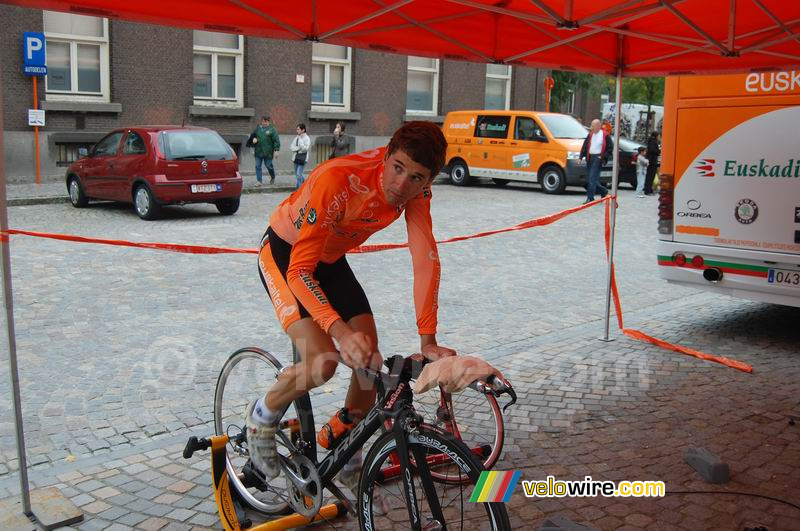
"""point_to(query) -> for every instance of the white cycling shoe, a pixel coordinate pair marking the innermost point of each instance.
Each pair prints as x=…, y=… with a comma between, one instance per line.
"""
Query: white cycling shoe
x=261, y=444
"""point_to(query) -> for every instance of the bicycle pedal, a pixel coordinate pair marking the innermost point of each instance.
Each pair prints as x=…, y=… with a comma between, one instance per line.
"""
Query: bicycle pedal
x=252, y=477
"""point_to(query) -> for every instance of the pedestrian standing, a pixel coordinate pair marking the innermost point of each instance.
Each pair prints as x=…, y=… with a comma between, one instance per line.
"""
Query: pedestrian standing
x=341, y=141
x=642, y=164
x=596, y=149
x=300, y=146
x=266, y=143
x=653, y=152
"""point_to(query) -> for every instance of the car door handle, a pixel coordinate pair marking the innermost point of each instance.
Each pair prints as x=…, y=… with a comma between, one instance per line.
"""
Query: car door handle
x=513, y=143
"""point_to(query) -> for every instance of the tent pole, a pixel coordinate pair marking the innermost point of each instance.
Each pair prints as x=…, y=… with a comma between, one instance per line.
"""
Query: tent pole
x=614, y=186
x=8, y=302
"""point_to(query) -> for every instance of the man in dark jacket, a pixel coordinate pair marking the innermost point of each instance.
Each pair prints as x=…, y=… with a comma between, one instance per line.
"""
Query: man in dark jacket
x=597, y=148
x=266, y=143
x=653, y=152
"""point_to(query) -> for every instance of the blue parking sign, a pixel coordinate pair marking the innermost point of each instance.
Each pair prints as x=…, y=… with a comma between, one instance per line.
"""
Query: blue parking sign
x=34, y=57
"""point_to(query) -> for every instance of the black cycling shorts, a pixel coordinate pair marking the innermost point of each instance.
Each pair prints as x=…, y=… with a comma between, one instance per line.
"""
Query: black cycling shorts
x=337, y=281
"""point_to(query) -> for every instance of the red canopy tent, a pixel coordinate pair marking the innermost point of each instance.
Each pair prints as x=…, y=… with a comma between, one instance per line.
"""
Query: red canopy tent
x=659, y=37
x=613, y=37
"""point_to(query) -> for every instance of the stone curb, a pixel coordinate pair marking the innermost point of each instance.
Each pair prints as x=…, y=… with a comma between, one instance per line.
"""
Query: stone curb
x=23, y=201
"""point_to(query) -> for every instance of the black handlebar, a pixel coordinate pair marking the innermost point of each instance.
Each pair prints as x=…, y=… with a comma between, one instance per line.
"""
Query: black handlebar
x=194, y=444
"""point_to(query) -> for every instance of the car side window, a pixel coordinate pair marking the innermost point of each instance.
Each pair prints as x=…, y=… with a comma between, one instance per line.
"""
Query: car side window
x=107, y=146
x=527, y=129
x=492, y=126
x=134, y=144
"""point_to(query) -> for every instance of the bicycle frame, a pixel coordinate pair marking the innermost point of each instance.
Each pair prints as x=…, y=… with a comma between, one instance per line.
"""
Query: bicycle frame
x=396, y=403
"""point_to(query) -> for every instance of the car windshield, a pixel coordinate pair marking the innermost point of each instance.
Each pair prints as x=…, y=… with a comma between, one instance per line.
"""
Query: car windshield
x=563, y=126
x=195, y=145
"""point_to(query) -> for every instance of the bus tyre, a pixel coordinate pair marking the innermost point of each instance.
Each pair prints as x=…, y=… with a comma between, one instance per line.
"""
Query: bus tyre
x=553, y=180
x=459, y=174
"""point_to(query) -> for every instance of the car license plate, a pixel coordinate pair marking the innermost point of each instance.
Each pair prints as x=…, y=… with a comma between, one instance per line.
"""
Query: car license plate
x=206, y=188
x=784, y=277
x=605, y=174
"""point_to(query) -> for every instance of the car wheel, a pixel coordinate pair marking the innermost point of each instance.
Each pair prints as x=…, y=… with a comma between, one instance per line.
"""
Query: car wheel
x=228, y=207
x=144, y=203
x=459, y=174
x=553, y=180
x=500, y=182
x=76, y=194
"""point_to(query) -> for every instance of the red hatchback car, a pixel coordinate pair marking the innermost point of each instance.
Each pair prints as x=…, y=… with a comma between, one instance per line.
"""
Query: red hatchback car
x=153, y=166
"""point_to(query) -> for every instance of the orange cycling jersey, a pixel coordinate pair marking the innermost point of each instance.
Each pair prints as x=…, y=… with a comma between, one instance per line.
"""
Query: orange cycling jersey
x=340, y=205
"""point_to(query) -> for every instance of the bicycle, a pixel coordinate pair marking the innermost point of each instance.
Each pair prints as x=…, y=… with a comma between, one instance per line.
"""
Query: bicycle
x=425, y=457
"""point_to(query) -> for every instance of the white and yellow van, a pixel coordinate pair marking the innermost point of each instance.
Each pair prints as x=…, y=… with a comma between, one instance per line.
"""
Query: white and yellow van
x=523, y=146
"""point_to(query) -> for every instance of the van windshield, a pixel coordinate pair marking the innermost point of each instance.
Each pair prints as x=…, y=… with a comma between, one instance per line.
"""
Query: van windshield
x=563, y=126
x=194, y=145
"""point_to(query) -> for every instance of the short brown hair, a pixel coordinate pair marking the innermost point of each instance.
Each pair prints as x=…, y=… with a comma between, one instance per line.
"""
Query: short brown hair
x=423, y=142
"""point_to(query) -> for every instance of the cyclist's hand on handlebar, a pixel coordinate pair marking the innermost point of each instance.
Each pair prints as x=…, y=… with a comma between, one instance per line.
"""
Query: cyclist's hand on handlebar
x=357, y=350
x=436, y=352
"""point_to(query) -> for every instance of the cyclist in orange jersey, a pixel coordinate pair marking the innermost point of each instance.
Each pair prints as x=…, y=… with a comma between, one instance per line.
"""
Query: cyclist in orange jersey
x=316, y=297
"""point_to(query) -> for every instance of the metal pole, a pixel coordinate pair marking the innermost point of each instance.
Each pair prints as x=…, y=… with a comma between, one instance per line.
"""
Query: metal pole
x=614, y=183
x=8, y=302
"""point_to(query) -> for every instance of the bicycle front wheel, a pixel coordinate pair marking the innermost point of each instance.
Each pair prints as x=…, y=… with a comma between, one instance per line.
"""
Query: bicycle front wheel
x=383, y=500
x=247, y=374
x=473, y=417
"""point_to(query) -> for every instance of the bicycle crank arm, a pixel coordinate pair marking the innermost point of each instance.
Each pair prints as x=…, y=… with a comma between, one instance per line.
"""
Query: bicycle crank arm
x=299, y=482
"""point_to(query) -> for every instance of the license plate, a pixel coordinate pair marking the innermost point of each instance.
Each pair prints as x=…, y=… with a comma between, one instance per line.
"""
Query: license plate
x=206, y=188
x=605, y=174
x=784, y=277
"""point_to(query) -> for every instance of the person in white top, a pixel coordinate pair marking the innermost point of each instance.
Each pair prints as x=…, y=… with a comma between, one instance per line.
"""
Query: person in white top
x=300, y=147
x=597, y=149
x=641, y=171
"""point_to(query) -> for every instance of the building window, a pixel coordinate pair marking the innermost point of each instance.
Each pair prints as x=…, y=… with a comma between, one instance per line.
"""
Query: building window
x=422, y=91
x=330, y=77
x=77, y=57
x=67, y=153
x=498, y=87
x=218, y=69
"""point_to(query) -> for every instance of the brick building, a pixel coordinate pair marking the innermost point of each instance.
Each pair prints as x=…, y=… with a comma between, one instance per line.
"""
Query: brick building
x=104, y=74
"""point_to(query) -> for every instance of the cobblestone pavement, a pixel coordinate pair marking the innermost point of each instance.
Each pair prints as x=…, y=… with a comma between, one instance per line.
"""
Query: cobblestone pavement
x=119, y=351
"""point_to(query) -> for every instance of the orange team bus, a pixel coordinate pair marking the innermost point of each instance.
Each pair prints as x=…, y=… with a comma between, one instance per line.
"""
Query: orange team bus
x=729, y=205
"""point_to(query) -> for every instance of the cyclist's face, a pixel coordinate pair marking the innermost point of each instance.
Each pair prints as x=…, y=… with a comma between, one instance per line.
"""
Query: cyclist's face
x=403, y=178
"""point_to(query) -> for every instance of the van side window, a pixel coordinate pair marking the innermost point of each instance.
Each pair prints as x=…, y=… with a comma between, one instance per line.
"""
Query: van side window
x=527, y=129
x=492, y=126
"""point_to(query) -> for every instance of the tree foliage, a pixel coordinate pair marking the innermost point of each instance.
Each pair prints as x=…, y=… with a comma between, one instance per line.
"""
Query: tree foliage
x=644, y=90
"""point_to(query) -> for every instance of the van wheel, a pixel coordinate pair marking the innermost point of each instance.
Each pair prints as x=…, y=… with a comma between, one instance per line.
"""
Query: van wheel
x=76, y=194
x=553, y=180
x=459, y=174
x=228, y=207
x=500, y=182
x=144, y=203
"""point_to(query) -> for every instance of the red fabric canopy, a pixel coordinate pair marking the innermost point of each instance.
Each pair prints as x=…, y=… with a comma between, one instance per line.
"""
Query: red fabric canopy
x=644, y=37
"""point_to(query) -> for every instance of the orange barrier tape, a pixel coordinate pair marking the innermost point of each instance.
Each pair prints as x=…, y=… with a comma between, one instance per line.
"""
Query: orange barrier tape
x=174, y=247
x=536, y=222
x=636, y=334
x=200, y=249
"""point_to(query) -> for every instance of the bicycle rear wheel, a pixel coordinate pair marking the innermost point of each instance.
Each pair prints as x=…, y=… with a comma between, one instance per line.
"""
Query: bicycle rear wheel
x=473, y=417
x=383, y=500
x=246, y=375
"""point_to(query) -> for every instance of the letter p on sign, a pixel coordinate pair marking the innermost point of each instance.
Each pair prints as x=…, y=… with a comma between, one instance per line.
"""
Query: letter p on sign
x=34, y=49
